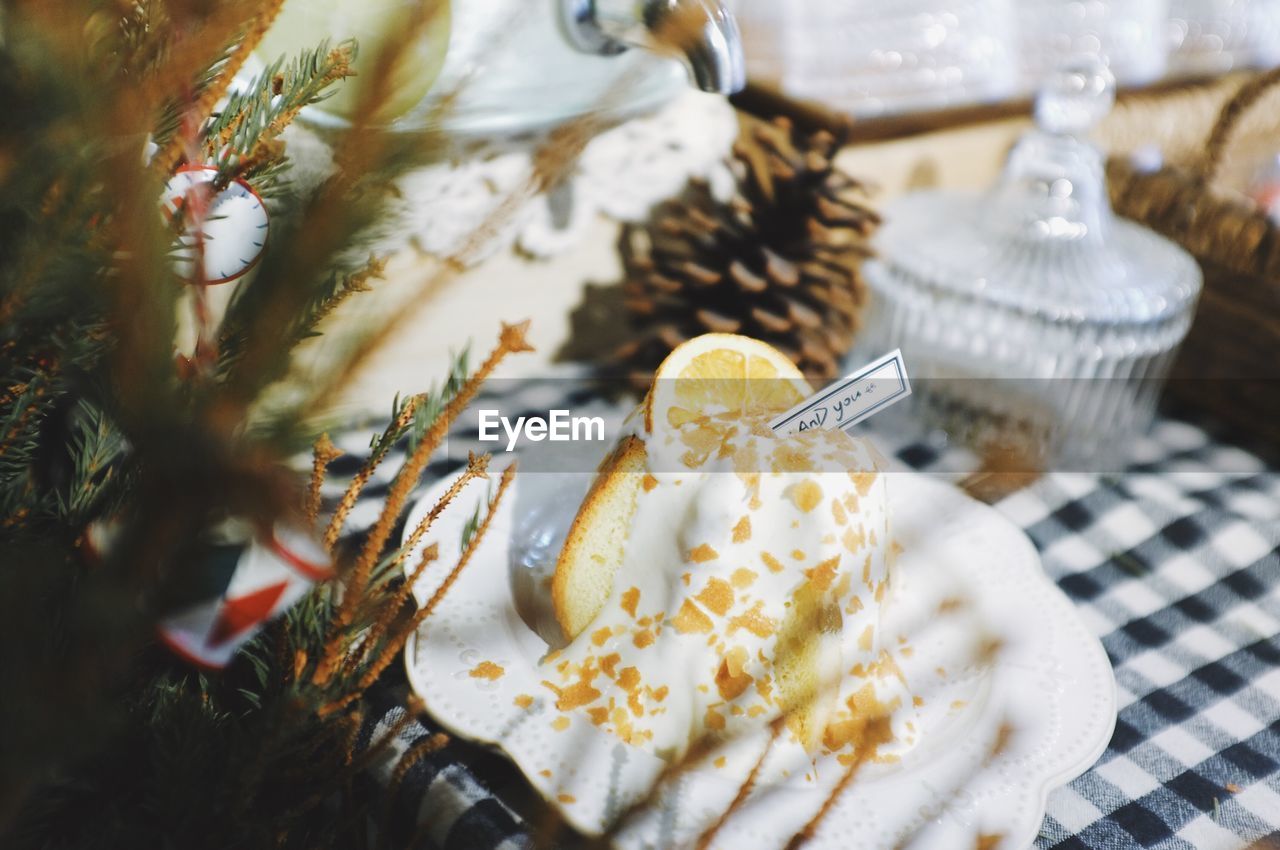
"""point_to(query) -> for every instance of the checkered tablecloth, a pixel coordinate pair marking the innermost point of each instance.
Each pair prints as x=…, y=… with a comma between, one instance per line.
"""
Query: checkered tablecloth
x=1175, y=565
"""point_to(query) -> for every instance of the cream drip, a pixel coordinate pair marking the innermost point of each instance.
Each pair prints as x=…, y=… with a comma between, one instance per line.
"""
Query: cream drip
x=743, y=544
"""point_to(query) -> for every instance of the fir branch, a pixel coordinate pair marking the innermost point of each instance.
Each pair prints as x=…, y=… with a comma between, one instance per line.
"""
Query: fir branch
x=379, y=445
x=221, y=75
x=471, y=526
x=97, y=447
x=387, y=611
x=336, y=292
x=477, y=467
x=240, y=138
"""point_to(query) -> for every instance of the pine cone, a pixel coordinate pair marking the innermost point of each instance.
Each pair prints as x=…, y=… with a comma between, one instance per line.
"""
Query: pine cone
x=780, y=261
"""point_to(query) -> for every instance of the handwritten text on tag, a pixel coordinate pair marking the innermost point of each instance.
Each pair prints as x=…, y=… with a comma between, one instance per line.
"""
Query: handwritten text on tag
x=851, y=399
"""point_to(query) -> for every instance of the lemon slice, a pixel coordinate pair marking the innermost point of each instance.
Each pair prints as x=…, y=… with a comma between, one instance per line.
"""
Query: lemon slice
x=717, y=374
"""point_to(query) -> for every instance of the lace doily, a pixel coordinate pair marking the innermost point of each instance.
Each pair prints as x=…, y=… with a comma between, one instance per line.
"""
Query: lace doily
x=622, y=173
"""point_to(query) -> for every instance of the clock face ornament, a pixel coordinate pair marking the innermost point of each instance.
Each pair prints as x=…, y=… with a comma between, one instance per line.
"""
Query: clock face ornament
x=235, y=226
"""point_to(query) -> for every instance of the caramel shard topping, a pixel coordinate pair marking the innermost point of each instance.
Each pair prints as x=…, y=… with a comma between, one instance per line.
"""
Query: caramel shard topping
x=648, y=482
x=756, y=711
x=717, y=596
x=590, y=669
x=702, y=553
x=545, y=773
x=917, y=701
x=703, y=437
x=838, y=512
x=889, y=666
x=798, y=554
x=608, y=663
x=752, y=482
x=742, y=531
x=566, y=798
x=643, y=639
x=628, y=678
x=805, y=495
x=865, y=729
x=660, y=694
x=855, y=605
x=862, y=481
x=630, y=599
x=731, y=678
x=774, y=565
x=523, y=700
x=789, y=457
x=743, y=578
x=823, y=575
x=486, y=670
x=577, y=694
x=560, y=723
x=678, y=416
x=713, y=720
x=598, y=715
x=753, y=621
x=633, y=703
x=599, y=636
x=855, y=537
x=690, y=619
x=720, y=762
x=865, y=639
x=764, y=687
x=693, y=460
x=686, y=577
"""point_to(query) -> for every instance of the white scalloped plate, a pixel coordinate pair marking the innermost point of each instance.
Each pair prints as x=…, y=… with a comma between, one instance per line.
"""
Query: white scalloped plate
x=1052, y=682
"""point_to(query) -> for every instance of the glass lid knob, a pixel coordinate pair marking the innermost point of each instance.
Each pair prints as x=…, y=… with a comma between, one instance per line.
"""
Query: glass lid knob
x=1075, y=97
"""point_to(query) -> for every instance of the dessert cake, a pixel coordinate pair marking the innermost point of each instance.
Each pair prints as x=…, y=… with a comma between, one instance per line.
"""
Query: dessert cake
x=719, y=576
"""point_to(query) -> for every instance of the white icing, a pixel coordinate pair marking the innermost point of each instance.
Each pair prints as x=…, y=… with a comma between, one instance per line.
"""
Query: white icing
x=684, y=525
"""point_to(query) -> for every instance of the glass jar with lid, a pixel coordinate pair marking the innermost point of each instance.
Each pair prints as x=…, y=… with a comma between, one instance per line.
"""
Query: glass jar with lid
x=1031, y=312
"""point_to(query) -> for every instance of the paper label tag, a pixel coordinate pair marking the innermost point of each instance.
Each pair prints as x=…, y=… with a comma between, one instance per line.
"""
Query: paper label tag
x=851, y=399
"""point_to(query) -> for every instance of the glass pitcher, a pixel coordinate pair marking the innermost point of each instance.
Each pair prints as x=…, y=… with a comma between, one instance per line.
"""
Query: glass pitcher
x=514, y=66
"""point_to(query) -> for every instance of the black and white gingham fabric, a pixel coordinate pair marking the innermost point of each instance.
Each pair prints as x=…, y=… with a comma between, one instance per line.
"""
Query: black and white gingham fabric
x=1174, y=564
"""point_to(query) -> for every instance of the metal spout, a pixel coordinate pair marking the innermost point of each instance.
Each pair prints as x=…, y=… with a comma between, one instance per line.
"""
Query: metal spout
x=701, y=33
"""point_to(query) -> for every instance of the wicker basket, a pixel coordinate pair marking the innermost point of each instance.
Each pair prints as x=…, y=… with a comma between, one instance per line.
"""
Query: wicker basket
x=1229, y=365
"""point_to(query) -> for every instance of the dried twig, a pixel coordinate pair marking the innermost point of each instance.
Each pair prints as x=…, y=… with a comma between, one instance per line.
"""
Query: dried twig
x=323, y=454
x=744, y=790
x=396, y=643
x=510, y=340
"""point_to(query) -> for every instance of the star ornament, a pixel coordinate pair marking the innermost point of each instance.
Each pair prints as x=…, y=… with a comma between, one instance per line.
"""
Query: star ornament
x=235, y=224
